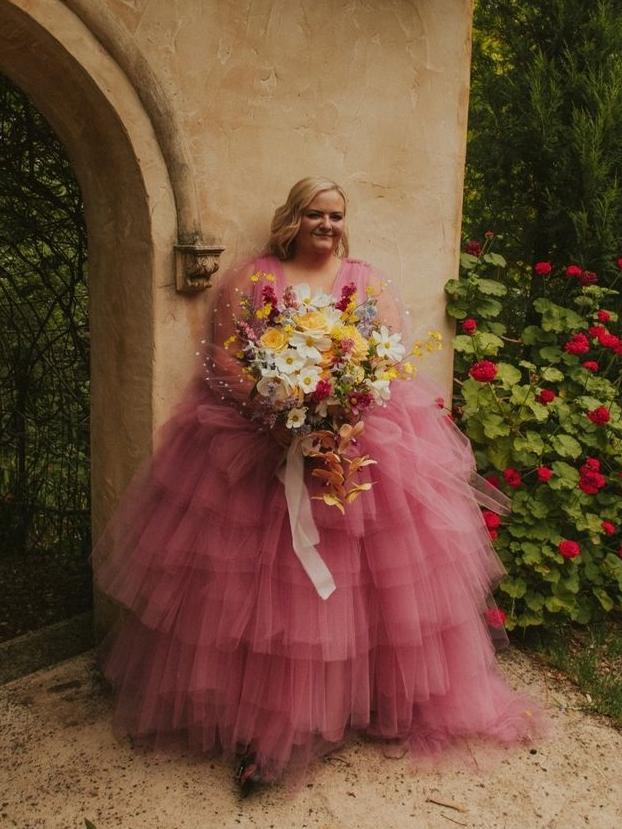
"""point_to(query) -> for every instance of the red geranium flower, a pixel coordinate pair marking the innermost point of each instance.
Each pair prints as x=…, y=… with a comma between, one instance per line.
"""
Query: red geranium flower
x=543, y=268
x=591, y=365
x=544, y=474
x=512, y=477
x=591, y=482
x=573, y=270
x=569, y=549
x=588, y=278
x=473, y=247
x=608, y=527
x=577, y=344
x=484, y=371
x=489, y=234
x=546, y=396
x=495, y=617
x=620, y=262
x=493, y=480
x=591, y=463
x=492, y=520
x=469, y=326
x=599, y=415
x=604, y=316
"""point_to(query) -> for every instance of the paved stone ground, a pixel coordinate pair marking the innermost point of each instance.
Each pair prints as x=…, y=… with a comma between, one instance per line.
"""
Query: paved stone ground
x=60, y=764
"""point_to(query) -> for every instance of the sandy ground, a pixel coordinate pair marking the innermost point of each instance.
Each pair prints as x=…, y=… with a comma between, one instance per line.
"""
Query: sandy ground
x=60, y=765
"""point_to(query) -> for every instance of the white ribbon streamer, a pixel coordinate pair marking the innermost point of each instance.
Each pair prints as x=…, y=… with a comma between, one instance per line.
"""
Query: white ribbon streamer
x=305, y=534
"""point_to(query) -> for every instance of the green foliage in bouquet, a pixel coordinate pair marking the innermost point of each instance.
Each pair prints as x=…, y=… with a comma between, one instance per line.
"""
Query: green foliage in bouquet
x=542, y=409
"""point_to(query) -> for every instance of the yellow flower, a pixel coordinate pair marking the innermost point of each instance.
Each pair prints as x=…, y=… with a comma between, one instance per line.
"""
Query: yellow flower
x=351, y=332
x=274, y=338
x=254, y=277
x=313, y=321
x=264, y=311
x=229, y=341
x=408, y=368
x=269, y=277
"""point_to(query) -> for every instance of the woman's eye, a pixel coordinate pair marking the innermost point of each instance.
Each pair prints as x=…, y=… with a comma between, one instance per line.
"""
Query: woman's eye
x=336, y=217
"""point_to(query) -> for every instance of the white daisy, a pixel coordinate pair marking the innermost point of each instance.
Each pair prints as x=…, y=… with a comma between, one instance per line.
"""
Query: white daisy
x=289, y=360
x=309, y=344
x=296, y=417
x=309, y=300
x=308, y=378
x=387, y=344
x=380, y=390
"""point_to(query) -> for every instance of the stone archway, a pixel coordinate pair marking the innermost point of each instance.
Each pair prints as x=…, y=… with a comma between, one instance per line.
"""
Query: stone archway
x=132, y=220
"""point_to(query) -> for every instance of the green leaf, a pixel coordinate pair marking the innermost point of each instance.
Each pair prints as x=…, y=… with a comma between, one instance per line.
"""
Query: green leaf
x=552, y=375
x=455, y=288
x=604, y=598
x=534, y=601
x=533, y=334
x=89, y=824
x=527, y=619
x=531, y=553
x=495, y=426
x=463, y=343
x=516, y=588
x=551, y=353
x=491, y=287
x=495, y=259
x=508, y=374
x=467, y=261
x=455, y=310
x=531, y=442
x=566, y=474
x=566, y=446
x=488, y=308
x=488, y=344
x=499, y=453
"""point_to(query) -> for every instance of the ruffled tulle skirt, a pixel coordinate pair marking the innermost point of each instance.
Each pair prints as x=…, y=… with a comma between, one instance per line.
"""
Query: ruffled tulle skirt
x=224, y=642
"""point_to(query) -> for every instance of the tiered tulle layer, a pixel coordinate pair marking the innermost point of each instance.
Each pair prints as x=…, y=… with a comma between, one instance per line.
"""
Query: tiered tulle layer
x=227, y=642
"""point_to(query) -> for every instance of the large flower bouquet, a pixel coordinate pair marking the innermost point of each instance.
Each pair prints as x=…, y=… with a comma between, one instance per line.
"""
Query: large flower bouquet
x=318, y=364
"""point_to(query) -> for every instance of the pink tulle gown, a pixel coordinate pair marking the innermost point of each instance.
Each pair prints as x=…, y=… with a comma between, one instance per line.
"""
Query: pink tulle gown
x=225, y=643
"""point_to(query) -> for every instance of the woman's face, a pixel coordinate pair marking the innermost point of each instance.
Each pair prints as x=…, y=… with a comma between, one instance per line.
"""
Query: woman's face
x=322, y=224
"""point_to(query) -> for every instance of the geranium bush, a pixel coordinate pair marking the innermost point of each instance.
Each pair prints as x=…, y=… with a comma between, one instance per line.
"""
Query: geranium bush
x=542, y=410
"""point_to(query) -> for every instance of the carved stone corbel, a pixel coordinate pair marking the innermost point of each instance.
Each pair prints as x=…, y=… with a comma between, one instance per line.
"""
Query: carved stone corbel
x=195, y=264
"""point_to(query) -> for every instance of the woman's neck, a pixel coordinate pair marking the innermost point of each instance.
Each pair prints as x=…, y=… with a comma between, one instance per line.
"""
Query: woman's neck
x=311, y=262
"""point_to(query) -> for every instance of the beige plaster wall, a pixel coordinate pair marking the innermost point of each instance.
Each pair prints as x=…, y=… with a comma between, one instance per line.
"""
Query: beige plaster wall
x=372, y=93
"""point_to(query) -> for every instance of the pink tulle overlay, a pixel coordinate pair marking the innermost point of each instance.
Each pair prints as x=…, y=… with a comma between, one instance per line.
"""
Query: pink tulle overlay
x=225, y=643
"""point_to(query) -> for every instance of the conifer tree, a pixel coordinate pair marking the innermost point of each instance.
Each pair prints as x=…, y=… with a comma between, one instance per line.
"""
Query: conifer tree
x=544, y=164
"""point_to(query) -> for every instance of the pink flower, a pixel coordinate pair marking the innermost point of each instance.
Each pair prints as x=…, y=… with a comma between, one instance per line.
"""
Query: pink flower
x=604, y=316
x=546, y=396
x=569, y=549
x=577, y=344
x=600, y=415
x=543, y=268
x=473, y=247
x=512, y=477
x=495, y=617
x=469, y=326
x=323, y=390
x=608, y=527
x=492, y=520
x=484, y=371
x=591, y=365
x=544, y=474
x=346, y=295
x=573, y=270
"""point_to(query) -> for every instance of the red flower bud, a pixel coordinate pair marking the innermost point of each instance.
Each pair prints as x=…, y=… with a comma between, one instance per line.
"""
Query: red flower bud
x=620, y=263
x=469, y=326
x=495, y=617
x=512, y=477
x=543, y=268
x=484, y=371
x=591, y=365
x=544, y=474
x=588, y=278
x=604, y=316
x=599, y=415
x=569, y=549
x=473, y=247
x=573, y=270
x=546, y=396
x=492, y=520
x=489, y=234
x=493, y=480
x=608, y=527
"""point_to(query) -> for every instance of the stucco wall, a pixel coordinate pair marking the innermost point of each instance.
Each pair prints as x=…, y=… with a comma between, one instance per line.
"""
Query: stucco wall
x=372, y=94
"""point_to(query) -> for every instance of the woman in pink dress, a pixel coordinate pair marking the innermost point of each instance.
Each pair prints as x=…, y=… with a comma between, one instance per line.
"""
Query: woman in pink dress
x=225, y=641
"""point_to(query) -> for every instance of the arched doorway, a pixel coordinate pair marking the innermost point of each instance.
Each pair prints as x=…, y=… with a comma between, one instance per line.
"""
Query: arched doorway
x=131, y=219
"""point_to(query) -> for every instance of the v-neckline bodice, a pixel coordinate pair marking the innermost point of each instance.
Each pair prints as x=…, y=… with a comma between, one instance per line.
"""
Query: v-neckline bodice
x=282, y=282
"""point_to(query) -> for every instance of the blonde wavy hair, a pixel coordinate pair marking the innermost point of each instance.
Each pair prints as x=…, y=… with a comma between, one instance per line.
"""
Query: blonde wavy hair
x=286, y=222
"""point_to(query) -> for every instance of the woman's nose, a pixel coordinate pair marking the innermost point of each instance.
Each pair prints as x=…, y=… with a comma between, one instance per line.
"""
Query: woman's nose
x=325, y=222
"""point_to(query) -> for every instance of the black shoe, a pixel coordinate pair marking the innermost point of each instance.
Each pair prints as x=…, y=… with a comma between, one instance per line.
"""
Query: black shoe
x=248, y=775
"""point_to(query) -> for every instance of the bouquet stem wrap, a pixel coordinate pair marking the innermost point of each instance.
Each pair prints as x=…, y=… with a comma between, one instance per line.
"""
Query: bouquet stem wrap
x=305, y=534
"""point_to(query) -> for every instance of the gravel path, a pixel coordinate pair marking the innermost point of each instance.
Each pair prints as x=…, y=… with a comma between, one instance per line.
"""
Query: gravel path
x=61, y=765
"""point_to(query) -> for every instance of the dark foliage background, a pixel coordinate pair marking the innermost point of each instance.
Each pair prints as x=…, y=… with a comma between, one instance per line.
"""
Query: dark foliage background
x=44, y=373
